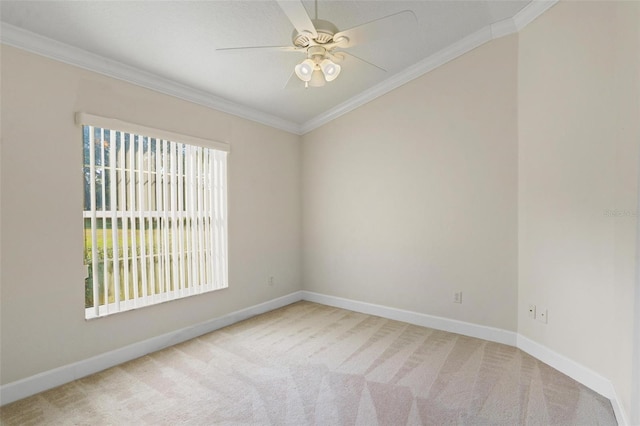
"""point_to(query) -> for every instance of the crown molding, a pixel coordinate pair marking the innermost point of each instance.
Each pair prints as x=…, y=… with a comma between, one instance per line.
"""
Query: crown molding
x=43, y=46
x=503, y=28
x=412, y=72
x=488, y=33
x=531, y=11
x=31, y=42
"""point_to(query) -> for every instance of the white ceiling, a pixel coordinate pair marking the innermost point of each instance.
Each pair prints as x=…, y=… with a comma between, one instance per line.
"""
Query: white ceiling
x=172, y=44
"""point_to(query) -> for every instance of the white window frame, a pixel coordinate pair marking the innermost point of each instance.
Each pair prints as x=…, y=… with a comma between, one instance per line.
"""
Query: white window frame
x=185, y=212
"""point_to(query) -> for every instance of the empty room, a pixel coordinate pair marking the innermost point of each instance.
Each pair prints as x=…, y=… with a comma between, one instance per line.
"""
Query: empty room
x=298, y=212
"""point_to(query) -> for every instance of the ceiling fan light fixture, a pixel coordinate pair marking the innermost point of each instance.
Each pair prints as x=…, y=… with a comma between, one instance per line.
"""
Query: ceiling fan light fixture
x=304, y=70
x=330, y=69
x=317, y=79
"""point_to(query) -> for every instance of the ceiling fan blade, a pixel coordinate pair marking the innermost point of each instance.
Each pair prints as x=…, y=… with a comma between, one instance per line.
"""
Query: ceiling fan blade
x=261, y=48
x=351, y=56
x=297, y=14
x=294, y=82
x=386, y=27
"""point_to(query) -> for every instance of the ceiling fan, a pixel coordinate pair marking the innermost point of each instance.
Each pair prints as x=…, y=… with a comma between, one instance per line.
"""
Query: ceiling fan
x=323, y=43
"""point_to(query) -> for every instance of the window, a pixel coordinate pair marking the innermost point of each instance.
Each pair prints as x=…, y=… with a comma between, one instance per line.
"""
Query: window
x=155, y=215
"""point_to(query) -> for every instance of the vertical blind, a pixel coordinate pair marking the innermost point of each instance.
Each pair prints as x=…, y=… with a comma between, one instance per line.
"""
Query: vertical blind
x=155, y=215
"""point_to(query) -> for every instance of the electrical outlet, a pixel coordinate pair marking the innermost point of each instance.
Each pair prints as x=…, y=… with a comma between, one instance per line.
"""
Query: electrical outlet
x=532, y=311
x=457, y=297
x=542, y=315
x=271, y=281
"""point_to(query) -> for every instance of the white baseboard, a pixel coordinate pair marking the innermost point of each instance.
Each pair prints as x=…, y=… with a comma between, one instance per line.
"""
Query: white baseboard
x=576, y=371
x=49, y=379
x=58, y=376
x=446, y=324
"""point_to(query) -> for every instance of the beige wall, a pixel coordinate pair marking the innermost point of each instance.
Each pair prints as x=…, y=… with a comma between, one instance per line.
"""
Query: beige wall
x=498, y=174
x=491, y=175
x=42, y=312
x=413, y=196
x=579, y=115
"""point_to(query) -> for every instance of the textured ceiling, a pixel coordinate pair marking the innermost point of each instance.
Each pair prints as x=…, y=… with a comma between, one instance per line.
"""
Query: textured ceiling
x=177, y=40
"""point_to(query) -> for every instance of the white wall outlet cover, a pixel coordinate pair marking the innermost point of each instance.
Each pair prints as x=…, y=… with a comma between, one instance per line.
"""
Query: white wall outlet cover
x=542, y=315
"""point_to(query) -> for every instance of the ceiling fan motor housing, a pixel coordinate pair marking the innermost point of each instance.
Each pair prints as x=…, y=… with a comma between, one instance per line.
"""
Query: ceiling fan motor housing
x=325, y=30
x=316, y=53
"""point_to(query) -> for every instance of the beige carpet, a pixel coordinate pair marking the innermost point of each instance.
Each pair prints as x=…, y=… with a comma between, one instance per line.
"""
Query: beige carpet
x=312, y=364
